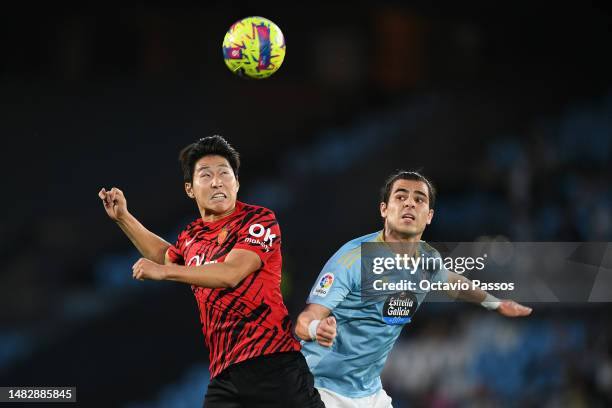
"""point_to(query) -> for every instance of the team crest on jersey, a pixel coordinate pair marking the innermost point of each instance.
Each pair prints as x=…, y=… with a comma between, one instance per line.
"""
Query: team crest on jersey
x=324, y=285
x=222, y=235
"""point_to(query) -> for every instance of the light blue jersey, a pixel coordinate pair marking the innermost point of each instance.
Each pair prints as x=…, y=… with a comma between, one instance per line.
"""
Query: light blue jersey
x=365, y=330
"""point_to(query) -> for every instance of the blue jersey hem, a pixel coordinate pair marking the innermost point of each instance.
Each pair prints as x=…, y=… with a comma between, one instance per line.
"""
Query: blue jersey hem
x=330, y=385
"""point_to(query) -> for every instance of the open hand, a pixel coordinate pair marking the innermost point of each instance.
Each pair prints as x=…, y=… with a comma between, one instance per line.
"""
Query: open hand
x=510, y=308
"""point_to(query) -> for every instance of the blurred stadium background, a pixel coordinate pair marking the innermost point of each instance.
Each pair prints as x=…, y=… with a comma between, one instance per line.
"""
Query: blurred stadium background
x=506, y=106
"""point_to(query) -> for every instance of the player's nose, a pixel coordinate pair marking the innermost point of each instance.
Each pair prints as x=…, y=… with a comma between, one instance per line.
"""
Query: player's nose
x=216, y=182
x=409, y=202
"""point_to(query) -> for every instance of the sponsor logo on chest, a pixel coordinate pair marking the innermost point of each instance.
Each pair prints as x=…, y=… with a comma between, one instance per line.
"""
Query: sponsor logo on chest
x=399, y=308
x=260, y=235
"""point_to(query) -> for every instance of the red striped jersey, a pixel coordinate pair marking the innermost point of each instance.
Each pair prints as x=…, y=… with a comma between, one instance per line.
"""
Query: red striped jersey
x=251, y=319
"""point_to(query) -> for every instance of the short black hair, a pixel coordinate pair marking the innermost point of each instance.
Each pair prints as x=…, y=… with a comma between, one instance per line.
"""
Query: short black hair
x=210, y=145
x=385, y=192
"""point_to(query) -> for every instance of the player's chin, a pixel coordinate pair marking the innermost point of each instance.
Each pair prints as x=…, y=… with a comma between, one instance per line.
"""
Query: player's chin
x=220, y=206
x=407, y=230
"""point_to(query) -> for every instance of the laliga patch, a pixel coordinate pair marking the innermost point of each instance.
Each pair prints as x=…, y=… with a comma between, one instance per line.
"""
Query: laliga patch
x=399, y=308
x=324, y=285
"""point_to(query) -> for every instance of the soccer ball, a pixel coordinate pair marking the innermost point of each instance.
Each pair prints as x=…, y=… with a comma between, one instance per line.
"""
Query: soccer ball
x=254, y=47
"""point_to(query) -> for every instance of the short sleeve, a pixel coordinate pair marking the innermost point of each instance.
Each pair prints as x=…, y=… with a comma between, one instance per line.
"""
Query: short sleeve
x=337, y=278
x=440, y=275
x=261, y=235
x=175, y=255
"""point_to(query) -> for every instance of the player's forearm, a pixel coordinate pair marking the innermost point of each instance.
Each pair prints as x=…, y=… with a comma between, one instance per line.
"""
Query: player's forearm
x=148, y=244
x=302, y=323
x=219, y=275
x=308, y=322
x=474, y=295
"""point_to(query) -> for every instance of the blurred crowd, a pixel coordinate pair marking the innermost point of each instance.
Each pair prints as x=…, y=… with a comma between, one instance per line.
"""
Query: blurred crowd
x=459, y=357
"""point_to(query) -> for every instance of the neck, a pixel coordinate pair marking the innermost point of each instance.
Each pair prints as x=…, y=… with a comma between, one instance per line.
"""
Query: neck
x=390, y=235
x=208, y=216
x=401, y=243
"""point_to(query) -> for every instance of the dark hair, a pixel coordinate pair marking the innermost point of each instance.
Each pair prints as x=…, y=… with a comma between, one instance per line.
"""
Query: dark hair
x=385, y=192
x=210, y=145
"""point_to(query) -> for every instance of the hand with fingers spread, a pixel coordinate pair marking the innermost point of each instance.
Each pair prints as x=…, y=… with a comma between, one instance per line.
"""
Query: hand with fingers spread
x=326, y=332
x=146, y=269
x=114, y=202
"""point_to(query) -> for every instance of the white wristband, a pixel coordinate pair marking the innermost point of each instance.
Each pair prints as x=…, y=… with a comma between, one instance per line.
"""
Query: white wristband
x=312, y=329
x=490, y=302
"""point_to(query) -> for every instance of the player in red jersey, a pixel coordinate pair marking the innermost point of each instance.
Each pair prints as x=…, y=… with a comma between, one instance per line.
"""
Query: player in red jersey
x=231, y=257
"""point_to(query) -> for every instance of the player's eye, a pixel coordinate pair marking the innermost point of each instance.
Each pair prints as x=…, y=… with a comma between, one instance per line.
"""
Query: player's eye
x=205, y=175
x=401, y=197
x=419, y=199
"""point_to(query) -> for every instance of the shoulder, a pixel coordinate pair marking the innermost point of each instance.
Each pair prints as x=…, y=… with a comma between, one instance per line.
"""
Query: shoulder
x=191, y=228
x=251, y=210
x=351, y=251
x=195, y=224
x=344, y=265
x=355, y=244
x=187, y=233
x=428, y=250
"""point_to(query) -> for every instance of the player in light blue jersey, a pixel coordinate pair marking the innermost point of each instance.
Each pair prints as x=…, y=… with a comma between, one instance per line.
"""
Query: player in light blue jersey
x=347, y=334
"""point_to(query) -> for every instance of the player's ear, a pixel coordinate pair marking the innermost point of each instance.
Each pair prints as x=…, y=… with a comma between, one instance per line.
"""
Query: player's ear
x=237, y=185
x=383, y=209
x=430, y=216
x=189, y=190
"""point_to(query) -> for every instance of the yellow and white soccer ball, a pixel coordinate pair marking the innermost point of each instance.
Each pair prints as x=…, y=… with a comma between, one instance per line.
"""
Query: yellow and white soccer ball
x=254, y=47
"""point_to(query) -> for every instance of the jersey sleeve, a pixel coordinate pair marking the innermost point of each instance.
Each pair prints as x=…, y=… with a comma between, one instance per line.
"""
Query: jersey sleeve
x=338, y=277
x=175, y=255
x=260, y=235
x=440, y=274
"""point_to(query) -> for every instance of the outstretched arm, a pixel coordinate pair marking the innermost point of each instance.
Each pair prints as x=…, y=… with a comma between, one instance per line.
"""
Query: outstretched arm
x=315, y=324
x=148, y=244
x=504, y=307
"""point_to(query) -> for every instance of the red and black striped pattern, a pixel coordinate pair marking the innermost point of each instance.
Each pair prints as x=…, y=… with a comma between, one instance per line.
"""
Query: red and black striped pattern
x=251, y=319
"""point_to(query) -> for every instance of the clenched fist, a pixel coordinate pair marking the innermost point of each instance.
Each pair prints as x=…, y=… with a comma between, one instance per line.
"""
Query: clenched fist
x=146, y=269
x=114, y=203
x=326, y=332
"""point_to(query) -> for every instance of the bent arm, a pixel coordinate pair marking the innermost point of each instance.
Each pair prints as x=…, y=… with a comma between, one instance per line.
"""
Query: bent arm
x=238, y=264
x=150, y=245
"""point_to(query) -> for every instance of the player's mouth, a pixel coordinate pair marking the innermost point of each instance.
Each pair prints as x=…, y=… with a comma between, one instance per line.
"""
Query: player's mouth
x=218, y=197
x=408, y=217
